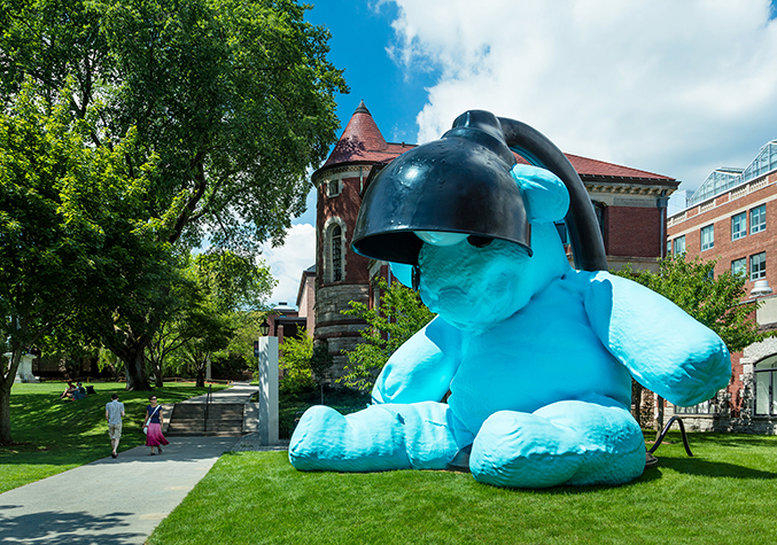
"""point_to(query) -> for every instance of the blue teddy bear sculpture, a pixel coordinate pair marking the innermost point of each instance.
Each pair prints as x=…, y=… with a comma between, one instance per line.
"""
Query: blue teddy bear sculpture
x=537, y=357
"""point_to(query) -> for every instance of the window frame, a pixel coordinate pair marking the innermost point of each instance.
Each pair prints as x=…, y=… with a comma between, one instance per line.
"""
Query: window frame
x=759, y=225
x=771, y=387
x=333, y=188
x=744, y=272
x=711, y=243
x=675, y=241
x=741, y=231
x=761, y=273
x=336, y=253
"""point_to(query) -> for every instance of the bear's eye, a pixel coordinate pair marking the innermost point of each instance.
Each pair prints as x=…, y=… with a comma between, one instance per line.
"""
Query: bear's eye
x=478, y=241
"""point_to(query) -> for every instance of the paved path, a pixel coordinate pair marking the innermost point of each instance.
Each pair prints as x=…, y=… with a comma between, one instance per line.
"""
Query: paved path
x=239, y=392
x=113, y=501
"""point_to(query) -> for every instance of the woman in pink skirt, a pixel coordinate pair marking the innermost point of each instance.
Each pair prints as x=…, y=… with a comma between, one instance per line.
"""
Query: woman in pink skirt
x=154, y=437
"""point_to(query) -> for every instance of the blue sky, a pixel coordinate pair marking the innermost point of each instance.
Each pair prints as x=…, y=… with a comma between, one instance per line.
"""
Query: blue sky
x=678, y=88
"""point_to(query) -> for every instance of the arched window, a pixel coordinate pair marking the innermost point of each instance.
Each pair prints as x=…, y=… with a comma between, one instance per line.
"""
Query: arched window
x=766, y=386
x=336, y=246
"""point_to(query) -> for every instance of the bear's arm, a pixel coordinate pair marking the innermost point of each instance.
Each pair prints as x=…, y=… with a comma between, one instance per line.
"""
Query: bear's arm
x=422, y=368
x=664, y=348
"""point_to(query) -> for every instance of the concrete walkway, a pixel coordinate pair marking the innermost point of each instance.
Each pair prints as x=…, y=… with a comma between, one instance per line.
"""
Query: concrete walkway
x=113, y=501
x=238, y=392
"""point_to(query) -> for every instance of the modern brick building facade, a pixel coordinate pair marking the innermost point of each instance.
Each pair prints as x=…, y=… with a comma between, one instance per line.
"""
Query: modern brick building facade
x=630, y=205
x=732, y=218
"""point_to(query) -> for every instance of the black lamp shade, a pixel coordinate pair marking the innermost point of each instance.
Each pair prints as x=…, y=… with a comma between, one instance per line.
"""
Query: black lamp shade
x=458, y=184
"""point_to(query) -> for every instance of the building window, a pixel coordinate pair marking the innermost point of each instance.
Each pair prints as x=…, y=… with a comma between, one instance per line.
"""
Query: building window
x=705, y=407
x=758, y=219
x=738, y=226
x=668, y=247
x=679, y=245
x=599, y=209
x=333, y=188
x=758, y=266
x=561, y=228
x=707, y=237
x=337, y=253
x=739, y=267
x=766, y=387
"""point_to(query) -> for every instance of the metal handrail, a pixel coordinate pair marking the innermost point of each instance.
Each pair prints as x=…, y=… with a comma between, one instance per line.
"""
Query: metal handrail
x=208, y=400
x=666, y=429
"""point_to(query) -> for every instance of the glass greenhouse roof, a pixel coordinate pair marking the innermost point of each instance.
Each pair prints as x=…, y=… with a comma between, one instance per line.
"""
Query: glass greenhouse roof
x=723, y=179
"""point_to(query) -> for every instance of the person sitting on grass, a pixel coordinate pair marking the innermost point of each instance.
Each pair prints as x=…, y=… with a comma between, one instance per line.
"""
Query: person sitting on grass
x=80, y=392
x=67, y=395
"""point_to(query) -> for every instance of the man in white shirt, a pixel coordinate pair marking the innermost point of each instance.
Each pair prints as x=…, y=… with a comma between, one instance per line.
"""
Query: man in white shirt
x=114, y=412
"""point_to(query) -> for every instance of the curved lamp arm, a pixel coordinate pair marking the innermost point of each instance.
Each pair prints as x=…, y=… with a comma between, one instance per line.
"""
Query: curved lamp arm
x=585, y=236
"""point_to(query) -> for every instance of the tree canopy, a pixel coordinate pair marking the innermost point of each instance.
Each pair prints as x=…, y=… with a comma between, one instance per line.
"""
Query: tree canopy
x=400, y=315
x=227, y=103
x=53, y=247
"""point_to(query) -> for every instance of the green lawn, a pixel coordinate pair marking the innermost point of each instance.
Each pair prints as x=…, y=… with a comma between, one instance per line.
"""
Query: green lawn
x=55, y=435
x=727, y=493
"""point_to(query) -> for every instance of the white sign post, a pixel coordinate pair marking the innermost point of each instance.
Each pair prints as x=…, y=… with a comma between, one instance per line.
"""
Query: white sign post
x=268, y=390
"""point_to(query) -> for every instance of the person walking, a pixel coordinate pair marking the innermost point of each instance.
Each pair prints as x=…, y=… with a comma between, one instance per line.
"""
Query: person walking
x=114, y=412
x=154, y=420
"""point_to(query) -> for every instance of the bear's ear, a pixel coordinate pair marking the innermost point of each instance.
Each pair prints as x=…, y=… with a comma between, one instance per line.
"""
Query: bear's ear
x=547, y=198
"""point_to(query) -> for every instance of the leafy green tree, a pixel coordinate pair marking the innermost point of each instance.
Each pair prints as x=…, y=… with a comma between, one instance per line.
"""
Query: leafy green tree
x=222, y=288
x=400, y=314
x=294, y=361
x=321, y=362
x=247, y=330
x=232, y=100
x=717, y=302
x=50, y=238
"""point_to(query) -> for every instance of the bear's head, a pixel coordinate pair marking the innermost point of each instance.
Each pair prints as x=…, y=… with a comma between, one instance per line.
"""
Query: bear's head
x=476, y=282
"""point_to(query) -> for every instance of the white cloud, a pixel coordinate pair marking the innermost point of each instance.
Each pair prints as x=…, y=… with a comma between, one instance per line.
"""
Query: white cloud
x=288, y=261
x=678, y=88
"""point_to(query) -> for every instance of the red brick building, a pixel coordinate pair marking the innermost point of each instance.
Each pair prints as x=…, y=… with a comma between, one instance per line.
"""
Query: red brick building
x=630, y=206
x=732, y=218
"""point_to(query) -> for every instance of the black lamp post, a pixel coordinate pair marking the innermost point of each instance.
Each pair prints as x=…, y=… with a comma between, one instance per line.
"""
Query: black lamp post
x=264, y=328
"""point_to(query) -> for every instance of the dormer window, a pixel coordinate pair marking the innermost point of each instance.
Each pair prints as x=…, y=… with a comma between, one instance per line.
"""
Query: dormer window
x=333, y=188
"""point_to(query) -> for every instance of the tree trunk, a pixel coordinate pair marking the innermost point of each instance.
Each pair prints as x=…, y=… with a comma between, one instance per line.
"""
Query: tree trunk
x=200, y=377
x=5, y=416
x=6, y=381
x=156, y=365
x=158, y=380
x=135, y=365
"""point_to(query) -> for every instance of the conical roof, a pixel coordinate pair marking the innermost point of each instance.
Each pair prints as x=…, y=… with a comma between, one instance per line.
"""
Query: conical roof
x=362, y=141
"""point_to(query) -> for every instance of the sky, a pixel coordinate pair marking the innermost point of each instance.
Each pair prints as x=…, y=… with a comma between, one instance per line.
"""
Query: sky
x=676, y=88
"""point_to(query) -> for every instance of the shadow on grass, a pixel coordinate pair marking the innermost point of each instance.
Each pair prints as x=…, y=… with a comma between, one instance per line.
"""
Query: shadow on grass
x=61, y=528
x=744, y=441
x=697, y=466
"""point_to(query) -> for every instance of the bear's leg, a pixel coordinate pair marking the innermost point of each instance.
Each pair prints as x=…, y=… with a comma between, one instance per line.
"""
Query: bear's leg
x=569, y=442
x=381, y=437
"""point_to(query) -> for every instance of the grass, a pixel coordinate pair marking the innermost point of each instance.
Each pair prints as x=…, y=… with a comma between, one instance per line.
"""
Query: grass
x=291, y=406
x=53, y=436
x=724, y=494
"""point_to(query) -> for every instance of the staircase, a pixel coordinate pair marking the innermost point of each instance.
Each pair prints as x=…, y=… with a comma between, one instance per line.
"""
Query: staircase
x=227, y=413
x=222, y=419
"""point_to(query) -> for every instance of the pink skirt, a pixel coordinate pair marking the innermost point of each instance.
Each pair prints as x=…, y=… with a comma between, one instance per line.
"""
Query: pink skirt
x=154, y=437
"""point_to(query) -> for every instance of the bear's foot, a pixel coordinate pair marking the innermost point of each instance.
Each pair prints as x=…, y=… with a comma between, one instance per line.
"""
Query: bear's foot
x=520, y=450
x=569, y=442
